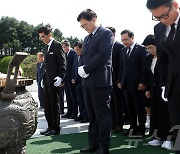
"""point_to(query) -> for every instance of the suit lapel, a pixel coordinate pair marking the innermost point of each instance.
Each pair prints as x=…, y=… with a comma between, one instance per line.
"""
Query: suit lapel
x=132, y=52
x=163, y=38
x=92, y=40
x=177, y=37
x=126, y=55
x=84, y=45
x=47, y=52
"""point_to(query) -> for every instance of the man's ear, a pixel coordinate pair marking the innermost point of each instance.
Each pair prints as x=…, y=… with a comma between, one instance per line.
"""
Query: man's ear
x=175, y=4
x=50, y=35
x=132, y=37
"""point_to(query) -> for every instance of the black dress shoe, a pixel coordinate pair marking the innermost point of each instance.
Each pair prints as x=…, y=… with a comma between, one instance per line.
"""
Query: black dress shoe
x=89, y=149
x=78, y=119
x=67, y=115
x=44, y=132
x=84, y=120
x=62, y=112
x=138, y=134
x=102, y=151
x=52, y=132
x=117, y=129
x=73, y=116
x=126, y=133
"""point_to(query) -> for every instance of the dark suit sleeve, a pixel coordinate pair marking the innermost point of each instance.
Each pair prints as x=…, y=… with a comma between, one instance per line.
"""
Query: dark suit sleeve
x=120, y=66
x=143, y=58
x=101, y=57
x=74, y=67
x=148, y=76
x=37, y=72
x=162, y=61
x=61, y=60
x=115, y=59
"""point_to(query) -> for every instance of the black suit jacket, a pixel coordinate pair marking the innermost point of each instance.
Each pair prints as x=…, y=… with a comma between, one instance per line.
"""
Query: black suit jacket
x=54, y=62
x=115, y=60
x=69, y=65
x=133, y=68
x=152, y=80
x=76, y=76
x=168, y=56
x=39, y=72
x=97, y=58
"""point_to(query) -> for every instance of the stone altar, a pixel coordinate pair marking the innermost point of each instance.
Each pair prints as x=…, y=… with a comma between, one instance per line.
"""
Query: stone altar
x=18, y=110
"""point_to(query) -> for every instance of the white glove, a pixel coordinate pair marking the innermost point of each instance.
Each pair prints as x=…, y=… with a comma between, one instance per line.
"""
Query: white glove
x=162, y=94
x=58, y=81
x=81, y=72
x=42, y=84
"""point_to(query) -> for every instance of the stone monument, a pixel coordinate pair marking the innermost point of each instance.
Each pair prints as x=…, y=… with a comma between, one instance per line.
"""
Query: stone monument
x=18, y=110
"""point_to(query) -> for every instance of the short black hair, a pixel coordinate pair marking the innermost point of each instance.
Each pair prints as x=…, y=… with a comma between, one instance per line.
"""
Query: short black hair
x=129, y=32
x=46, y=30
x=87, y=14
x=65, y=42
x=77, y=44
x=149, y=40
x=113, y=30
x=153, y=4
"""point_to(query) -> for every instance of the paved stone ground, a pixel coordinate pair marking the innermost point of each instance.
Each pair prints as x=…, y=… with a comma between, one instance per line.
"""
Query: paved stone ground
x=68, y=126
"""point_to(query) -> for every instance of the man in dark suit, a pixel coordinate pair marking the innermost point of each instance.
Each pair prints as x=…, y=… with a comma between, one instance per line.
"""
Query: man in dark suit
x=77, y=80
x=70, y=88
x=167, y=36
x=117, y=95
x=132, y=81
x=39, y=77
x=96, y=72
x=54, y=70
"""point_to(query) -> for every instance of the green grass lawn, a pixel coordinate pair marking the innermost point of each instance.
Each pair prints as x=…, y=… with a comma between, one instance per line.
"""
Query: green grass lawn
x=71, y=143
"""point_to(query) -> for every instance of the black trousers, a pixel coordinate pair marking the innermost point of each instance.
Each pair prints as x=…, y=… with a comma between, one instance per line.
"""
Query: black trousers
x=135, y=107
x=80, y=99
x=97, y=101
x=174, y=112
x=61, y=99
x=41, y=95
x=116, y=105
x=71, y=97
x=51, y=106
x=159, y=118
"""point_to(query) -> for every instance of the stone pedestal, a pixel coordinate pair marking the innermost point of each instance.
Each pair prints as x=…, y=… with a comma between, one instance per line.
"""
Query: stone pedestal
x=18, y=110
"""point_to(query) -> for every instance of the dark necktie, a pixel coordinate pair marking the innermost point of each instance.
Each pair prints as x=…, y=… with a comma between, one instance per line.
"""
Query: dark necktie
x=47, y=48
x=129, y=51
x=89, y=38
x=66, y=54
x=46, y=51
x=171, y=33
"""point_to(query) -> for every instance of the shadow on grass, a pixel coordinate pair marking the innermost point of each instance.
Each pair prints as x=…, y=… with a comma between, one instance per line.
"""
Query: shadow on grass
x=71, y=143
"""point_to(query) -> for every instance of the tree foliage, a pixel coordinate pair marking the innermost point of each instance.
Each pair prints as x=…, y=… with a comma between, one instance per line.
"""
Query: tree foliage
x=20, y=36
x=29, y=66
x=4, y=64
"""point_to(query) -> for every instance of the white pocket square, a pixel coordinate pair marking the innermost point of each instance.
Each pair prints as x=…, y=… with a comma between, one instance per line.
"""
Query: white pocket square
x=51, y=53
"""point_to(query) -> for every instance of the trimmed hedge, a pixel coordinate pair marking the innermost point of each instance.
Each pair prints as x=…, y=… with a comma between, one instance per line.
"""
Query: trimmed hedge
x=29, y=66
x=4, y=62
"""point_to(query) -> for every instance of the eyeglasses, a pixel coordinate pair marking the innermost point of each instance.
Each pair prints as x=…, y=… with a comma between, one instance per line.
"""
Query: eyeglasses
x=125, y=40
x=150, y=47
x=87, y=24
x=83, y=26
x=163, y=16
